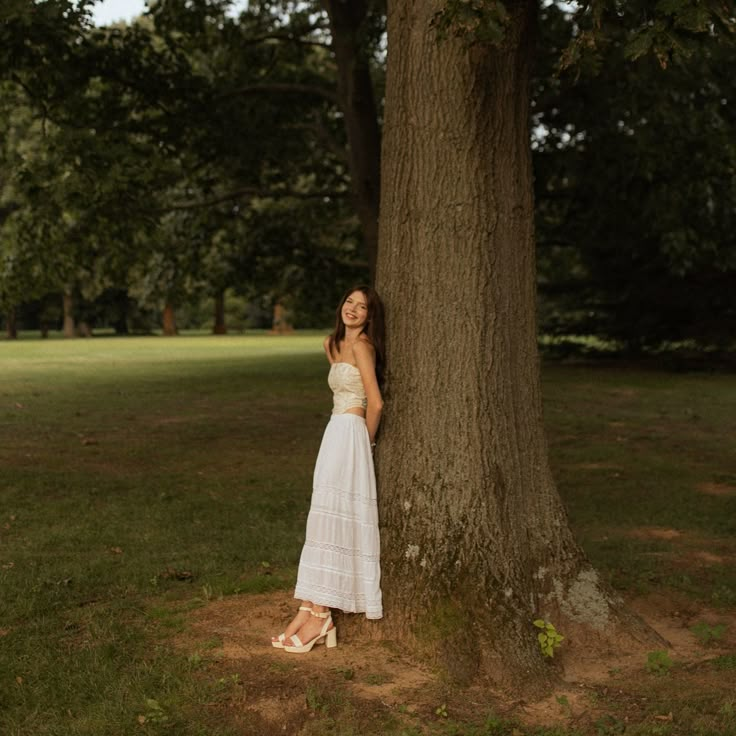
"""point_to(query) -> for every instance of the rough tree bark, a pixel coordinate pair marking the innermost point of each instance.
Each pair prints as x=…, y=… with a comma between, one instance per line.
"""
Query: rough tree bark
x=476, y=543
x=219, y=328
x=357, y=100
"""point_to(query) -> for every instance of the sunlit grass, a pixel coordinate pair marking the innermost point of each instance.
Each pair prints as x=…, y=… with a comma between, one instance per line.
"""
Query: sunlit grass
x=137, y=471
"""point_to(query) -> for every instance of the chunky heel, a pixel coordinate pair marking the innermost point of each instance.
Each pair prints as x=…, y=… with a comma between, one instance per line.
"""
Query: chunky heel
x=332, y=638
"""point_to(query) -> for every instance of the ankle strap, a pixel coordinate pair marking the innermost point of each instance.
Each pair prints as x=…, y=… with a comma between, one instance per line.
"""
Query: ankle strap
x=305, y=608
x=325, y=614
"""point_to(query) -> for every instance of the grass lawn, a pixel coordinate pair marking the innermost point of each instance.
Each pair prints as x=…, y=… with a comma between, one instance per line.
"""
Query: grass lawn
x=149, y=486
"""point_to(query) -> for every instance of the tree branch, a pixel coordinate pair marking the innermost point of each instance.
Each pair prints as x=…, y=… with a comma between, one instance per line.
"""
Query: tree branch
x=295, y=36
x=288, y=37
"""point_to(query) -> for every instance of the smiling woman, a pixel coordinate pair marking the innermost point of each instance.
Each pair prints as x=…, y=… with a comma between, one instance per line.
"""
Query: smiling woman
x=339, y=566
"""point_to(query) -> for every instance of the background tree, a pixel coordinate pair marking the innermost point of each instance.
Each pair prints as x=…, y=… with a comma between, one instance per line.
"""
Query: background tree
x=187, y=115
x=193, y=109
x=356, y=30
x=635, y=193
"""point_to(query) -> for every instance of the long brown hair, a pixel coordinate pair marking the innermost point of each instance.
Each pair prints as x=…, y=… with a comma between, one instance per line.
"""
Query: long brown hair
x=374, y=327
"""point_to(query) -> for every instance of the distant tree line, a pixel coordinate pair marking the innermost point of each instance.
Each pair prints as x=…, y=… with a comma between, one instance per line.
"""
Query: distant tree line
x=196, y=153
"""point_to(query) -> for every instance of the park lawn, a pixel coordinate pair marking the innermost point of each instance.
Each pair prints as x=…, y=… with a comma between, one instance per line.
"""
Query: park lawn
x=646, y=464
x=148, y=483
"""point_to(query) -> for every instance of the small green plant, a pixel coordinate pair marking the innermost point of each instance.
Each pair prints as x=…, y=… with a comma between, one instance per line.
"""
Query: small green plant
x=224, y=683
x=316, y=700
x=548, y=637
x=441, y=710
x=154, y=713
x=563, y=702
x=347, y=672
x=375, y=679
x=659, y=662
x=707, y=634
x=725, y=662
x=724, y=595
x=212, y=643
x=609, y=725
x=281, y=666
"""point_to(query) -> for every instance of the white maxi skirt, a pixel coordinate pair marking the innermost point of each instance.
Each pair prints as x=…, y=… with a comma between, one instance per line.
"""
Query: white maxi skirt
x=340, y=562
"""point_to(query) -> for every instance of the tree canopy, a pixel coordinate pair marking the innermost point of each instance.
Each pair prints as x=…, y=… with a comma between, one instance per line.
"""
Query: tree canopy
x=145, y=157
x=159, y=142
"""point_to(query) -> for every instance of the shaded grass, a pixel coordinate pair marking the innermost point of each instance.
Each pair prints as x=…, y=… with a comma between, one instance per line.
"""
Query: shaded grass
x=630, y=450
x=142, y=477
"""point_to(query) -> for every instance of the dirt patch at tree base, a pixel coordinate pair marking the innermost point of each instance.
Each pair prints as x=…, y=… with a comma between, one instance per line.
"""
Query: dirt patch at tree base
x=373, y=687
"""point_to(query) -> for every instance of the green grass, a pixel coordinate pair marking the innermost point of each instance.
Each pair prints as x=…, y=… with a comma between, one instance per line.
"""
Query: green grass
x=139, y=472
x=630, y=449
x=142, y=477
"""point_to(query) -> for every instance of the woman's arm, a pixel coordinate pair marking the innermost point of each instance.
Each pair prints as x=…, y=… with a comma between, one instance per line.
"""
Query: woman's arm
x=365, y=359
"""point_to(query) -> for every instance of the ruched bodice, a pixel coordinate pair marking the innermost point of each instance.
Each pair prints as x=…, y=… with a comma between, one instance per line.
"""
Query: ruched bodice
x=347, y=388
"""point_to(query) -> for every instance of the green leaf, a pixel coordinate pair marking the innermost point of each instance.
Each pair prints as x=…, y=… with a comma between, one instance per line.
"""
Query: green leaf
x=670, y=7
x=639, y=45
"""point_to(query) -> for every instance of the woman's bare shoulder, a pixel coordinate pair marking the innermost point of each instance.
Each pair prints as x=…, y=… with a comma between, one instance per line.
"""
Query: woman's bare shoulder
x=364, y=346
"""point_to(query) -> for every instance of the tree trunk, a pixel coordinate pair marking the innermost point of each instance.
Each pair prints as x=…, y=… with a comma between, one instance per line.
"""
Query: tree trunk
x=219, y=328
x=169, y=320
x=120, y=320
x=281, y=324
x=11, y=325
x=69, y=329
x=476, y=543
x=120, y=325
x=355, y=91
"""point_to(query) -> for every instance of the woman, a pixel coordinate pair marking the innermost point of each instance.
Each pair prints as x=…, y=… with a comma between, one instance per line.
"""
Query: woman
x=339, y=566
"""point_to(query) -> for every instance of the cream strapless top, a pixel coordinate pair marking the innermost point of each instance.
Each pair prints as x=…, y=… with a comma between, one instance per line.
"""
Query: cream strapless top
x=347, y=388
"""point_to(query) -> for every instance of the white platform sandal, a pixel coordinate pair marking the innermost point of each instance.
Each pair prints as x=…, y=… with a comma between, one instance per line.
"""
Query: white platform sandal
x=278, y=642
x=327, y=635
